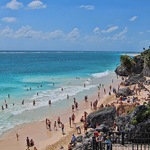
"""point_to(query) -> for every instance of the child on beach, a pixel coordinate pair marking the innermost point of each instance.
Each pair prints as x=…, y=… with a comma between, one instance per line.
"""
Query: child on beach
x=62, y=127
x=108, y=142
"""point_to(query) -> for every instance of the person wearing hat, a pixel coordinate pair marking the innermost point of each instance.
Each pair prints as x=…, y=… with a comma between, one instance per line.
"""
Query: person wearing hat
x=108, y=143
x=73, y=139
x=99, y=141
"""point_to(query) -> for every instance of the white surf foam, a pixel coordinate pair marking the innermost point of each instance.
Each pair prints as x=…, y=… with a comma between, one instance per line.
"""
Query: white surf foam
x=102, y=74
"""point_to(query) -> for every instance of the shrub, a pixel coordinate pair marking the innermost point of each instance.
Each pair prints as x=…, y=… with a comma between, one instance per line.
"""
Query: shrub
x=134, y=121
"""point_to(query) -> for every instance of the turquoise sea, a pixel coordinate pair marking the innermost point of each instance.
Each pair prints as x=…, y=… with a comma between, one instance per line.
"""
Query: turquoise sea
x=68, y=70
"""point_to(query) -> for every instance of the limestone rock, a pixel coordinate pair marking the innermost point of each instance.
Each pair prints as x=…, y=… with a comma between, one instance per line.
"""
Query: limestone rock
x=102, y=116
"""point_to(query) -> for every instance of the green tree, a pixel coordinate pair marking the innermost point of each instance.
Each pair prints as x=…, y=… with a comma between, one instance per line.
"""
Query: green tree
x=127, y=62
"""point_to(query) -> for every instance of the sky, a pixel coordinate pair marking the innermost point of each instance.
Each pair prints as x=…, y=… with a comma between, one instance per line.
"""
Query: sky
x=75, y=25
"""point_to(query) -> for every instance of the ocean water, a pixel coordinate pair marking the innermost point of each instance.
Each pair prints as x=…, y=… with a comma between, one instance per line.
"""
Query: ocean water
x=21, y=70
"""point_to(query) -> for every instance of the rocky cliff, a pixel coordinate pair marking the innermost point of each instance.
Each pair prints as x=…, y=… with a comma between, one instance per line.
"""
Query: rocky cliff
x=140, y=64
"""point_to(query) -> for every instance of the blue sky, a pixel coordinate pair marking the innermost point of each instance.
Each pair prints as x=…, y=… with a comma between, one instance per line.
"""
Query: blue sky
x=75, y=25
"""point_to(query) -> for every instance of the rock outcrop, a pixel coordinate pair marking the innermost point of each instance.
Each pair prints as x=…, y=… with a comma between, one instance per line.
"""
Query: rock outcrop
x=140, y=64
x=135, y=79
x=146, y=71
x=124, y=92
x=84, y=142
x=137, y=120
x=137, y=67
x=122, y=71
x=104, y=115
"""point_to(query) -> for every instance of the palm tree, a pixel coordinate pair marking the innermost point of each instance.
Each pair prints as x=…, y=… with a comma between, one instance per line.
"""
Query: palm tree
x=143, y=48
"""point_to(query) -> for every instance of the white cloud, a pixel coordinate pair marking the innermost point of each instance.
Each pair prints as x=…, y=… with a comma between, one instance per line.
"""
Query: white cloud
x=53, y=35
x=148, y=30
x=7, y=32
x=28, y=32
x=121, y=33
x=146, y=41
x=119, y=36
x=87, y=7
x=122, y=38
x=73, y=35
x=36, y=5
x=14, y=5
x=96, y=31
x=133, y=18
x=140, y=32
x=9, y=19
x=110, y=29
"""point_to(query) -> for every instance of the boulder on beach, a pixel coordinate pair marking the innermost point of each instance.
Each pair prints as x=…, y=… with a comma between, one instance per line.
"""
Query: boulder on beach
x=135, y=79
x=102, y=116
x=124, y=92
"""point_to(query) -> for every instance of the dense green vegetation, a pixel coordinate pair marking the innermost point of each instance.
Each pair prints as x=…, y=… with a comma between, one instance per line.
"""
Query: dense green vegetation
x=126, y=61
x=142, y=115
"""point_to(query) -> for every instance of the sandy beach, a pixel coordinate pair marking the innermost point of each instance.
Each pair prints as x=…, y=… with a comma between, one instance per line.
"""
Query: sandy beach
x=41, y=135
x=107, y=99
x=53, y=140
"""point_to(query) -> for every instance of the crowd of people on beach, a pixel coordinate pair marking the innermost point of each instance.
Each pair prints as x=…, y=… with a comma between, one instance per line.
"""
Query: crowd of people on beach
x=94, y=106
x=133, y=99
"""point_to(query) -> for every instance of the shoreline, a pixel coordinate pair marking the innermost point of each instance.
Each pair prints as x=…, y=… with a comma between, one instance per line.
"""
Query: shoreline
x=38, y=132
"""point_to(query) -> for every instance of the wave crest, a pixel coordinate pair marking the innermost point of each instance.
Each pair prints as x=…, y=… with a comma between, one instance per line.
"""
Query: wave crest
x=102, y=74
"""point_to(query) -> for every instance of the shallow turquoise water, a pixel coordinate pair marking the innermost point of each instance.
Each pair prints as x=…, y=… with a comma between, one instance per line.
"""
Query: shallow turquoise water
x=21, y=70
